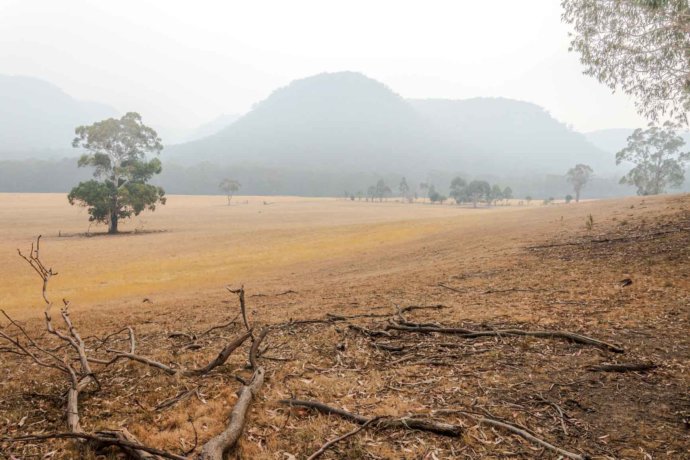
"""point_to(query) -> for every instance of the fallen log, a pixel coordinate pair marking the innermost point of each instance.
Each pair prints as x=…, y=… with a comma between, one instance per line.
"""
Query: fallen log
x=216, y=448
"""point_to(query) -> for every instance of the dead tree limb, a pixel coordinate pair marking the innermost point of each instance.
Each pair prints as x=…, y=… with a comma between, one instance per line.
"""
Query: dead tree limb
x=469, y=334
x=216, y=448
x=530, y=437
x=428, y=328
x=451, y=288
x=182, y=396
x=243, y=308
x=254, y=350
x=334, y=441
x=423, y=307
x=431, y=426
x=222, y=357
x=631, y=367
x=104, y=439
x=369, y=332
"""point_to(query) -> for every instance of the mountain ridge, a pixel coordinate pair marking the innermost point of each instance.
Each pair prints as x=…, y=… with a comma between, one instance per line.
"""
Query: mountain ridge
x=350, y=121
x=38, y=116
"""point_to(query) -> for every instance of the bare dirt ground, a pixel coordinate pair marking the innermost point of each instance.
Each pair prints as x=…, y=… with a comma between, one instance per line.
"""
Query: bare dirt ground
x=502, y=269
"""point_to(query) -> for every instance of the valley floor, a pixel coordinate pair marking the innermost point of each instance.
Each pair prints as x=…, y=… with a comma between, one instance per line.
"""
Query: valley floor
x=500, y=269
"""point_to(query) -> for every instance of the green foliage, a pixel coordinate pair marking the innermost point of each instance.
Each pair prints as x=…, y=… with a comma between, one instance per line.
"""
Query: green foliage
x=458, y=190
x=640, y=46
x=478, y=190
x=496, y=194
x=507, y=193
x=116, y=149
x=579, y=176
x=436, y=197
x=568, y=199
x=658, y=158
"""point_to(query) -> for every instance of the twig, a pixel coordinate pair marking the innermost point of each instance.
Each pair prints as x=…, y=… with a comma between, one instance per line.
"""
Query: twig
x=334, y=441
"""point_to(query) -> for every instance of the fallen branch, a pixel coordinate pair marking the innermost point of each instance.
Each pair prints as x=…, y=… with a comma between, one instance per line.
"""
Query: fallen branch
x=243, y=308
x=369, y=332
x=451, y=288
x=222, y=357
x=104, y=439
x=632, y=367
x=254, y=350
x=182, y=396
x=217, y=447
x=332, y=442
x=469, y=334
x=530, y=437
x=431, y=426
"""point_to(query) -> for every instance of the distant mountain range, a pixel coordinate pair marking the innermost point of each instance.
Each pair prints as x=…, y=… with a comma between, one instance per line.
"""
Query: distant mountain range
x=37, y=119
x=36, y=115
x=348, y=122
x=340, y=122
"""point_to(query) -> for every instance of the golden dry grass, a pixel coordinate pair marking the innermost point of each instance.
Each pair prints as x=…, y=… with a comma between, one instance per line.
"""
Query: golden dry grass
x=194, y=243
x=351, y=258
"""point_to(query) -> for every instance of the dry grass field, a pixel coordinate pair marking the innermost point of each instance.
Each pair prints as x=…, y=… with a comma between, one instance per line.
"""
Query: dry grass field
x=506, y=268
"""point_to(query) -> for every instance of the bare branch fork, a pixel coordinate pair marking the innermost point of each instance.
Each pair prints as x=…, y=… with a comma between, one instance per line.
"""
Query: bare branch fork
x=79, y=377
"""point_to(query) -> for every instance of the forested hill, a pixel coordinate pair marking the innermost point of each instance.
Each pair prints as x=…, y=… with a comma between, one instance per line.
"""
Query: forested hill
x=504, y=135
x=341, y=121
x=346, y=121
x=38, y=118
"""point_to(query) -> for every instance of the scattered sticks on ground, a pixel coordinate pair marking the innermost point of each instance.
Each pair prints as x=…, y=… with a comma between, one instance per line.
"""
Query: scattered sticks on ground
x=411, y=339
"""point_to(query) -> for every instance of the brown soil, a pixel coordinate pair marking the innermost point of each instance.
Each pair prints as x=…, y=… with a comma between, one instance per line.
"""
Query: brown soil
x=518, y=268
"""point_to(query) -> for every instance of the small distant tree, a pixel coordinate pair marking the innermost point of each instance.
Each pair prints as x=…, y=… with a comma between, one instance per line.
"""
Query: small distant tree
x=404, y=189
x=528, y=199
x=116, y=149
x=496, y=194
x=658, y=158
x=568, y=199
x=507, y=194
x=478, y=190
x=579, y=176
x=382, y=190
x=458, y=190
x=436, y=197
x=371, y=193
x=230, y=187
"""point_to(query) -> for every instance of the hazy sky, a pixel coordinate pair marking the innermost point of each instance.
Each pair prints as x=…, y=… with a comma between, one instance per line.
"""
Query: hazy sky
x=183, y=63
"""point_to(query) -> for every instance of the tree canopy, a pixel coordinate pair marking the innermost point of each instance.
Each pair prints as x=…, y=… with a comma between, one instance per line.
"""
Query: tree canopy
x=658, y=158
x=579, y=175
x=229, y=186
x=639, y=46
x=117, y=149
